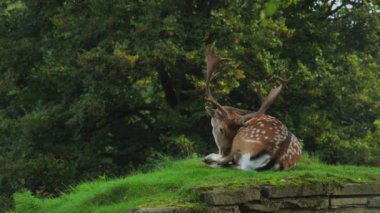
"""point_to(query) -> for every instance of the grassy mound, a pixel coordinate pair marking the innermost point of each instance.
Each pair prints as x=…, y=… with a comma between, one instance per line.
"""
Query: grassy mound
x=175, y=181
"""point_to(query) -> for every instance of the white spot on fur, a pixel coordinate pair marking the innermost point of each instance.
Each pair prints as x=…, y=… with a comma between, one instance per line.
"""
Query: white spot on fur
x=252, y=141
x=277, y=146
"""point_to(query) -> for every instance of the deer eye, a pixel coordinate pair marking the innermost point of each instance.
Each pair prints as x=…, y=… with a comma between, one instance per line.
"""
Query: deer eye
x=221, y=130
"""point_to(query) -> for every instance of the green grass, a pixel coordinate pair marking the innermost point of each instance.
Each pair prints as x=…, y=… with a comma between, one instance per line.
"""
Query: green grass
x=174, y=184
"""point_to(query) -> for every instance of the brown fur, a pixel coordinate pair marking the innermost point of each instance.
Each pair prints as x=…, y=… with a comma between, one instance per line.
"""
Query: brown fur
x=260, y=134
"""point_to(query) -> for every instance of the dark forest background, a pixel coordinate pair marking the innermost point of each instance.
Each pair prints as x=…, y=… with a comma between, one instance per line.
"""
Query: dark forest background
x=93, y=88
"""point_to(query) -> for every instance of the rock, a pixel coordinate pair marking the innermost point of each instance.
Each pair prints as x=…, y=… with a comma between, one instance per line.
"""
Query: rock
x=260, y=207
x=321, y=189
x=295, y=191
x=348, y=201
x=358, y=189
x=374, y=202
x=309, y=203
x=220, y=196
x=223, y=209
x=172, y=209
x=303, y=211
x=344, y=210
x=271, y=205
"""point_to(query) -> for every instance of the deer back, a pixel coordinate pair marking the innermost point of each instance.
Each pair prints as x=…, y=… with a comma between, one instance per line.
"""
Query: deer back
x=266, y=135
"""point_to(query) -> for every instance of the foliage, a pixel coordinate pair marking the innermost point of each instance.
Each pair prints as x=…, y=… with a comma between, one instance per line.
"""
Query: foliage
x=96, y=87
x=175, y=181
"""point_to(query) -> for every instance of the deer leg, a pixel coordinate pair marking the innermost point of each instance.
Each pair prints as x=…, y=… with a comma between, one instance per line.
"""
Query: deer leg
x=212, y=158
x=226, y=160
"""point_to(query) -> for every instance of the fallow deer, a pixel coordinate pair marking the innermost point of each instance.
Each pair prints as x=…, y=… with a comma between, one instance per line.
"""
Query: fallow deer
x=246, y=139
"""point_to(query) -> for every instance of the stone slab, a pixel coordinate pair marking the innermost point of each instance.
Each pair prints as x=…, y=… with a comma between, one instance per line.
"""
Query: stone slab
x=230, y=196
x=271, y=205
x=357, y=189
x=223, y=209
x=173, y=209
x=260, y=207
x=296, y=191
x=306, y=203
x=349, y=201
x=374, y=202
x=344, y=210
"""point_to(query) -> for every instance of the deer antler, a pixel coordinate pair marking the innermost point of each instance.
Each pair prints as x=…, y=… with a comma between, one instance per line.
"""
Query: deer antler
x=212, y=60
x=273, y=94
x=265, y=101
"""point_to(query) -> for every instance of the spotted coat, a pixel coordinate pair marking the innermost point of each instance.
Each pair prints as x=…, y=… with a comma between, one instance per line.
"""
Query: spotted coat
x=265, y=134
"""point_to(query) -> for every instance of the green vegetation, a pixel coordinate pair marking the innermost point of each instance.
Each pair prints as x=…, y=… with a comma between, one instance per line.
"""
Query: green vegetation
x=100, y=87
x=175, y=183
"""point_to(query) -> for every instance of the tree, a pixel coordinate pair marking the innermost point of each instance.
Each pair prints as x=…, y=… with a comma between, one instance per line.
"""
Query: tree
x=96, y=87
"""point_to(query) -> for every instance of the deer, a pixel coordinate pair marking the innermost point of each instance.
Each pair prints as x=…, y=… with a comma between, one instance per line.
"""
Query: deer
x=246, y=139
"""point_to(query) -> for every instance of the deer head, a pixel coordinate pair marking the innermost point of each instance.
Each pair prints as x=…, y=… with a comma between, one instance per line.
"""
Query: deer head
x=225, y=120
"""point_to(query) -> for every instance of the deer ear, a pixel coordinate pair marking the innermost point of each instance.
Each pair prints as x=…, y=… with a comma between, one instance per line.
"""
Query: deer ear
x=211, y=111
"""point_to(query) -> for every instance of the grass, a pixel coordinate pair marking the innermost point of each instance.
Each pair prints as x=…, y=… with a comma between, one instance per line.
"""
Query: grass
x=173, y=184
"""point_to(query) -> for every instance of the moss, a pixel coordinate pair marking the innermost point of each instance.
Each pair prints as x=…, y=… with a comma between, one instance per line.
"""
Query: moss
x=196, y=207
x=180, y=182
